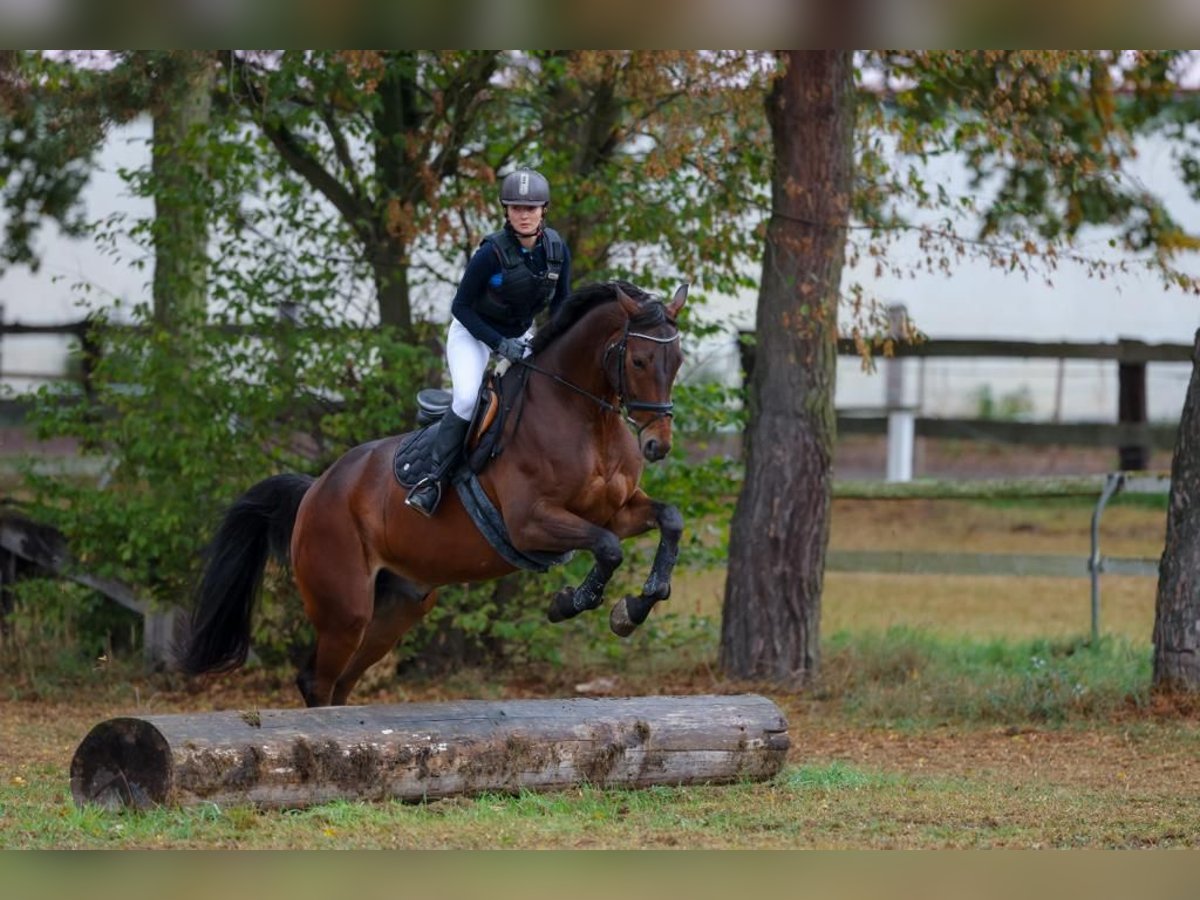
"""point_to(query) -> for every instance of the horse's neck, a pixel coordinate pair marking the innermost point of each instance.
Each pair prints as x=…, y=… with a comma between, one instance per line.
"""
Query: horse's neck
x=578, y=355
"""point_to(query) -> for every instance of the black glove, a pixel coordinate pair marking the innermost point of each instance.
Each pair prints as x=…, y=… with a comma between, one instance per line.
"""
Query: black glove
x=512, y=349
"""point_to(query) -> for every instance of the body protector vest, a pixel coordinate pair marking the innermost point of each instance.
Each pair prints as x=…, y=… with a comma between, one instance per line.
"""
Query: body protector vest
x=522, y=292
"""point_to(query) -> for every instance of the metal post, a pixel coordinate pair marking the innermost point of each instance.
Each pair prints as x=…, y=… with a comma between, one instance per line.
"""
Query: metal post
x=1059, y=379
x=901, y=432
x=901, y=435
x=1112, y=484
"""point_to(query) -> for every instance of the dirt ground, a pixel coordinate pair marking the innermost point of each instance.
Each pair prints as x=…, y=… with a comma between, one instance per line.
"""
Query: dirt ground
x=1124, y=754
x=1149, y=753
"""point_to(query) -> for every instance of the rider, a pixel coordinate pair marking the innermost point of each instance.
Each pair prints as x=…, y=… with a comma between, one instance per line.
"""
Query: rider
x=511, y=277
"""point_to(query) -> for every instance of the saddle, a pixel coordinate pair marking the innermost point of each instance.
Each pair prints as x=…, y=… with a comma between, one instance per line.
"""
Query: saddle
x=497, y=396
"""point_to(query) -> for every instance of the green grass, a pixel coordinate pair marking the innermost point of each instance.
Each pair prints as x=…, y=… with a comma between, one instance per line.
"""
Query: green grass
x=1082, y=501
x=943, y=767
x=907, y=676
x=829, y=804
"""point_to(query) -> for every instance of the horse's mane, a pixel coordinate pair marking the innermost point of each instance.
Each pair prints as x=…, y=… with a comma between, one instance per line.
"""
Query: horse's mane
x=587, y=298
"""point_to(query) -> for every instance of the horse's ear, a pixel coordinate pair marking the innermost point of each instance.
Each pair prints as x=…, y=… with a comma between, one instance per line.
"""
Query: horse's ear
x=628, y=304
x=677, y=301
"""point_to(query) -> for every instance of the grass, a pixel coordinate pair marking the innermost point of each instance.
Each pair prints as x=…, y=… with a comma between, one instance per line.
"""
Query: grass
x=976, y=607
x=950, y=712
x=909, y=740
x=908, y=676
x=822, y=804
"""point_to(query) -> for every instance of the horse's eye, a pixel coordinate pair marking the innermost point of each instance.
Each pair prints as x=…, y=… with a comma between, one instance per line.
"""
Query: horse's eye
x=639, y=363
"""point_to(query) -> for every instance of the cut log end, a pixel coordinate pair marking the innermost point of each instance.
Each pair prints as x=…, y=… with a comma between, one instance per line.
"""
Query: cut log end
x=122, y=763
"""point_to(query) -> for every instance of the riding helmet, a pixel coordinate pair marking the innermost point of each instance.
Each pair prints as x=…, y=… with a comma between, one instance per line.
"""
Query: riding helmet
x=525, y=187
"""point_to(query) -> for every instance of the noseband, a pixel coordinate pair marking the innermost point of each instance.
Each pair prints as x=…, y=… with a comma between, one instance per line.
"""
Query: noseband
x=626, y=405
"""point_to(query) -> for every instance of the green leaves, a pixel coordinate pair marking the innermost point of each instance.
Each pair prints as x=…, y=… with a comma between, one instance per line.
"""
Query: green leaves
x=1047, y=137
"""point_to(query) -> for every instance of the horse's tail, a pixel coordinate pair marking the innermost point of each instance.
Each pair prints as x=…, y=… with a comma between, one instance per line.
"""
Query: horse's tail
x=258, y=525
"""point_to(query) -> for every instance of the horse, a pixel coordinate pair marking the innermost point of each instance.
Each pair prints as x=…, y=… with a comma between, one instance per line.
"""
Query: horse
x=594, y=408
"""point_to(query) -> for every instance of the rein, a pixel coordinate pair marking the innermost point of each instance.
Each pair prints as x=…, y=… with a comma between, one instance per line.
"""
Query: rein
x=624, y=402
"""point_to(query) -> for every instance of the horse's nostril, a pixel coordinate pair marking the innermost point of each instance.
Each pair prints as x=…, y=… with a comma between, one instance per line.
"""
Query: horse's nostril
x=655, y=450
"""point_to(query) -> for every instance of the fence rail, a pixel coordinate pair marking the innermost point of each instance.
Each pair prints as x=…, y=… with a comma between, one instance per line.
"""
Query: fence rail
x=1089, y=434
x=915, y=562
x=1102, y=487
x=1125, y=350
x=1132, y=434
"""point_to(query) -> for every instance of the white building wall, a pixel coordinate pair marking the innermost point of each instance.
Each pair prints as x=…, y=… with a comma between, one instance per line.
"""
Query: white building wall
x=975, y=302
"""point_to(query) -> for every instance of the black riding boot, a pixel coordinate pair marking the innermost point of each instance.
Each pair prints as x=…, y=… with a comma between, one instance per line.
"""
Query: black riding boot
x=427, y=493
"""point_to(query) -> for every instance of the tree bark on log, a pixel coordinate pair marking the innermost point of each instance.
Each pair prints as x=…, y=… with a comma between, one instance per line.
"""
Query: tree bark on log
x=1177, y=606
x=413, y=752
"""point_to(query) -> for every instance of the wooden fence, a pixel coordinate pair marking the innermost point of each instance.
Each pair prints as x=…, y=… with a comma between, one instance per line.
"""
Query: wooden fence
x=905, y=562
x=25, y=544
x=27, y=547
x=1130, y=434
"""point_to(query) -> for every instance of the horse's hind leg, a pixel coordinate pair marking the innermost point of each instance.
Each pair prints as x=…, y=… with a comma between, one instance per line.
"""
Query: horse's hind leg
x=340, y=611
x=399, y=605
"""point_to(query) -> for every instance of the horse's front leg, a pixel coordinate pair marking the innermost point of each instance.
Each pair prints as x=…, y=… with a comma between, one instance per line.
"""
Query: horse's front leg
x=557, y=531
x=640, y=515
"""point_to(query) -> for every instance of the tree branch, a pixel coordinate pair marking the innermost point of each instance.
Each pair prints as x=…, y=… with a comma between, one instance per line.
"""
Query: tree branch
x=463, y=96
x=342, y=150
x=353, y=208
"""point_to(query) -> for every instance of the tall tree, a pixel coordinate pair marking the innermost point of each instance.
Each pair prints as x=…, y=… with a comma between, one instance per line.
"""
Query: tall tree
x=771, y=620
x=381, y=137
x=1177, y=605
x=656, y=157
x=181, y=107
x=328, y=171
x=649, y=154
x=1048, y=138
x=54, y=115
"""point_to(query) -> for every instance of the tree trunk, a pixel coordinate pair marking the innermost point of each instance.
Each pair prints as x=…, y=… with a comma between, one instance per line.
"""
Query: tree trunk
x=1177, y=609
x=396, y=119
x=181, y=117
x=390, y=266
x=421, y=751
x=590, y=141
x=780, y=531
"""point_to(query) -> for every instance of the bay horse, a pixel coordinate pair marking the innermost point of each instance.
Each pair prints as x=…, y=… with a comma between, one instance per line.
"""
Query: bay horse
x=368, y=567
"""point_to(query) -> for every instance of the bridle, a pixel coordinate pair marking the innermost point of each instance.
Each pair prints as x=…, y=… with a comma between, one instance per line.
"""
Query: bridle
x=661, y=410
x=626, y=405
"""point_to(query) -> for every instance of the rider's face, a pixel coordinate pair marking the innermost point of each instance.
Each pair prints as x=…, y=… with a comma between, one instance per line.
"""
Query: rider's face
x=525, y=219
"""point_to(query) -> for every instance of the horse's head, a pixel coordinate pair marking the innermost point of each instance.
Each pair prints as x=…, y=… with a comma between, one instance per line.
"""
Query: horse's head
x=642, y=362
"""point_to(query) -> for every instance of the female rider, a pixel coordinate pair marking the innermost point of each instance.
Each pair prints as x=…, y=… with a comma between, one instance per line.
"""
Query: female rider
x=513, y=275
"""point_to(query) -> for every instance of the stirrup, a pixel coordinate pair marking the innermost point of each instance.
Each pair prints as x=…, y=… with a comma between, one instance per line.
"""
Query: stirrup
x=425, y=496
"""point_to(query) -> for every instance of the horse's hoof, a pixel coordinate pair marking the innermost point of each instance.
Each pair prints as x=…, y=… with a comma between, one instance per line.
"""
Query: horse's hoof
x=619, y=621
x=561, y=607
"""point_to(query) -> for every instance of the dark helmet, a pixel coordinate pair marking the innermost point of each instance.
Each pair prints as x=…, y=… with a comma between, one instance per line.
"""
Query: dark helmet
x=525, y=187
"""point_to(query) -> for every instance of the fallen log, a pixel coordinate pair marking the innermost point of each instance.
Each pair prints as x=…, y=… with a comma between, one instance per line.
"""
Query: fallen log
x=419, y=751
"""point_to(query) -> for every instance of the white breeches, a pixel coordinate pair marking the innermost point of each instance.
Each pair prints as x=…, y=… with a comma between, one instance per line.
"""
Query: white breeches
x=467, y=359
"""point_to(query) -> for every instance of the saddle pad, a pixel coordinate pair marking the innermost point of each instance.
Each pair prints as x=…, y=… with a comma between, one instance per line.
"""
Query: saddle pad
x=412, y=462
x=414, y=457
